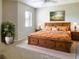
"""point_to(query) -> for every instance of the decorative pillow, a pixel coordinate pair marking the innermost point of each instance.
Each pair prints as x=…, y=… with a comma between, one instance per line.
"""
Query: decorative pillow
x=48, y=27
x=63, y=28
x=54, y=29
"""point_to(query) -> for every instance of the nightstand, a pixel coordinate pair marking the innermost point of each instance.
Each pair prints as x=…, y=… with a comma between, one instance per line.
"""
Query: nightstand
x=37, y=30
x=75, y=36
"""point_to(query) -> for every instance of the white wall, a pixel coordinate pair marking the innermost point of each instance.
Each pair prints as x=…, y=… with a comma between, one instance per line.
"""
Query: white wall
x=22, y=30
x=71, y=13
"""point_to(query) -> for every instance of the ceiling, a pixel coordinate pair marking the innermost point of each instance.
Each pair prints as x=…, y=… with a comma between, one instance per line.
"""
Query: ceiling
x=41, y=3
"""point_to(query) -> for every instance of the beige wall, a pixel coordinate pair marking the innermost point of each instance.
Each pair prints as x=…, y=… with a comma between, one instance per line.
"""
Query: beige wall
x=10, y=12
x=22, y=30
x=0, y=21
x=0, y=13
x=13, y=11
x=71, y=13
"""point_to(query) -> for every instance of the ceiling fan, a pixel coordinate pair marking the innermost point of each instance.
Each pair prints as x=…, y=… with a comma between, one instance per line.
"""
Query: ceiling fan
x=41, y=3
x=49, y=0
x=44, y=1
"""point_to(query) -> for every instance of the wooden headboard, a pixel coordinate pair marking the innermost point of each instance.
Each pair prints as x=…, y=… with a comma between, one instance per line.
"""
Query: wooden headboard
x=59, y=24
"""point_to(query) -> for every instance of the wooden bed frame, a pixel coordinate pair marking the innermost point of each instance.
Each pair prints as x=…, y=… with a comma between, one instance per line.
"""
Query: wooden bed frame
x=52, y=44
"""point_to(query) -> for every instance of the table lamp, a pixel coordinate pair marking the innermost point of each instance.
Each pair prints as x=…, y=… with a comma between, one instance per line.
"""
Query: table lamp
x=75, y=26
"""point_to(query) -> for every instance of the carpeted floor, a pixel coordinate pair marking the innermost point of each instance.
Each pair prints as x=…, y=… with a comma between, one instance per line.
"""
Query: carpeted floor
x=61, y=55
x=20, y=53
x=25, y=51
x=77, y=52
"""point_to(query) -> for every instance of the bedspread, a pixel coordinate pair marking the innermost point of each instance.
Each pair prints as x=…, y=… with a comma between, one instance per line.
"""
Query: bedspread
x=53, y=35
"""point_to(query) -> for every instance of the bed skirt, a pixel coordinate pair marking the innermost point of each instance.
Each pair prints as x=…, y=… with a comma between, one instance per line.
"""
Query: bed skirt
x=52, y=44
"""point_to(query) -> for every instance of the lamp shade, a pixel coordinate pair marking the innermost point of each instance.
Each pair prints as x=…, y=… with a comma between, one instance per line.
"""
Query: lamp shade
x=74, y=24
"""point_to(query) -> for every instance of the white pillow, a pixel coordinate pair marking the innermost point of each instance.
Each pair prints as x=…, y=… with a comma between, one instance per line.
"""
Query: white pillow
x=54, y=29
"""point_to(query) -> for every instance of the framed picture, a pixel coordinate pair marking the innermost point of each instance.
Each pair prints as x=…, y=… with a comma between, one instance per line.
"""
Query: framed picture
x=57, y=16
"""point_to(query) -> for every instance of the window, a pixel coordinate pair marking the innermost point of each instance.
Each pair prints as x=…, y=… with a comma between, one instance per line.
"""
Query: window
x=28, y=19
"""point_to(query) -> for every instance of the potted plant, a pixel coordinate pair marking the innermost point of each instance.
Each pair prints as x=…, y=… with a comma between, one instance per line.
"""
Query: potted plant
x=7, y=32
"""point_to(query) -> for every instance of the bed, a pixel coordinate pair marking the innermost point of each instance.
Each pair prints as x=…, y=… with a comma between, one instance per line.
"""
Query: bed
x=55, y=36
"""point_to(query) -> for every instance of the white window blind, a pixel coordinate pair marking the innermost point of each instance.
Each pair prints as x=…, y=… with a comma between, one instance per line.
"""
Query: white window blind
x=28, y=19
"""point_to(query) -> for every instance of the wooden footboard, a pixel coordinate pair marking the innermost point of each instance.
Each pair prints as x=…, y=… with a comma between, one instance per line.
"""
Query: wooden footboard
x=52, y=44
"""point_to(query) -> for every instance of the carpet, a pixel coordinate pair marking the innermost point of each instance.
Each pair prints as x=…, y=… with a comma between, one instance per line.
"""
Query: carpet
x=50, y=52
x=2, y=56
x=20, y=53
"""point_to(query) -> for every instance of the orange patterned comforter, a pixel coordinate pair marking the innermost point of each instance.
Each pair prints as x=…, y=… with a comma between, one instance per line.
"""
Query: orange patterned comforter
x=53, y=35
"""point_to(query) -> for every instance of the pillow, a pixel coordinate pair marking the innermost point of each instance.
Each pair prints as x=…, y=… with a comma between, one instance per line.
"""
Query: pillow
x=48, y=27
x=54, y=29
x=63, y=28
